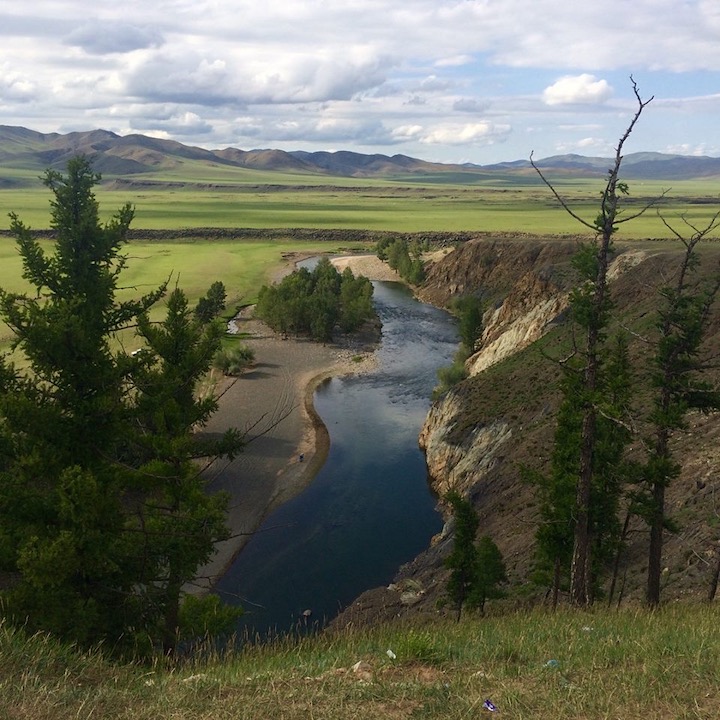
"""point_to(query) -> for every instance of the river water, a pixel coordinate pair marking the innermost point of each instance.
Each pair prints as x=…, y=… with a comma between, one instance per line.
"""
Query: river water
x=370, y=508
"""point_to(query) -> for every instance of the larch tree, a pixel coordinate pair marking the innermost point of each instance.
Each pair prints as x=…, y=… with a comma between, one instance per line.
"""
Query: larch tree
x=677, y=384
x=591, y=305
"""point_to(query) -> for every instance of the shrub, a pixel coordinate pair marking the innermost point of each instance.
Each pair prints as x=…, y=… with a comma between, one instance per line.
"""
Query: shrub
x=235, y=360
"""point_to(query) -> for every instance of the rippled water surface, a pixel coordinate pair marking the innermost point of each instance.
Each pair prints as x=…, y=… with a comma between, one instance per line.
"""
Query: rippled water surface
x=369, y=509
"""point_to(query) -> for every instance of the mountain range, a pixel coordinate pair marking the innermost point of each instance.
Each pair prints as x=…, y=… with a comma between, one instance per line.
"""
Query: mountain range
x=115, y=155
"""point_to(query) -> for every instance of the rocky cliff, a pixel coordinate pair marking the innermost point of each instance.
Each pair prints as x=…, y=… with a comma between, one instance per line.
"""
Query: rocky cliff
x=479, y=434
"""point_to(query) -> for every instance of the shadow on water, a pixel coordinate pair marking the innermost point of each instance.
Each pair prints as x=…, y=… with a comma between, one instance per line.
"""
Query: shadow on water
x=370, y=508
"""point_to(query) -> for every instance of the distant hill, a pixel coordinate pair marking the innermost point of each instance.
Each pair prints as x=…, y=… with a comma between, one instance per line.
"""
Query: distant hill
x=114, y=155
x=641, y=165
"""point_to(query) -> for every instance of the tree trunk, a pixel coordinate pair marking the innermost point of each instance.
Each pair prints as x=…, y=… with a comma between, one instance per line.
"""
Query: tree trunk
x=556, y=582
x=616, y=564
x=581, y=558
x=657, y=524
x=715, y=579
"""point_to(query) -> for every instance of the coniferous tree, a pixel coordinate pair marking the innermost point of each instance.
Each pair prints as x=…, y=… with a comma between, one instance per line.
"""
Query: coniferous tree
x=678, y=388
x=557, y=489
x=61, y=496
x=590, y=304
x=462, y=561
x=490, y=573
x=176, y=521
x=212, y=303
x=101, y=507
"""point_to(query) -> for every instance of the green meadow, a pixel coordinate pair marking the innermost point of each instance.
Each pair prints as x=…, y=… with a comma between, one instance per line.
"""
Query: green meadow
x=485, y=202
x=243, y=266
x=193, y=195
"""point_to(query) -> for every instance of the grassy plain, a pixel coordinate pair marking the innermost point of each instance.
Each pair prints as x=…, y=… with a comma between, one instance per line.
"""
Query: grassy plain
x=630, y=664
x=487, y=203
x=243, y=266
x=196, y=195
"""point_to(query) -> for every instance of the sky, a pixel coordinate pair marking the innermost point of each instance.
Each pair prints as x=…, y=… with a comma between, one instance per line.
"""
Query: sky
x=454, y=81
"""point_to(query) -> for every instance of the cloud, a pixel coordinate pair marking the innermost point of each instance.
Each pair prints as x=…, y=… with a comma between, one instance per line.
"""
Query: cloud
x=577, y=90
x=257, y=77
x=432, y=75
x=14, y=87
x=454, y=61
x=184, y=124
x=471, y=133
x=103, y=37
x=470, y=105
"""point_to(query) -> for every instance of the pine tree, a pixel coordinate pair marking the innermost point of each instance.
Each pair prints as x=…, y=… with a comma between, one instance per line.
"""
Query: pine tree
x=462, y=561
x=102, y=508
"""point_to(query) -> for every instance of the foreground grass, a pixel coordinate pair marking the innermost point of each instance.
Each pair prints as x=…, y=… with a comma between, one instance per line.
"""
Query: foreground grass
x=579, y=666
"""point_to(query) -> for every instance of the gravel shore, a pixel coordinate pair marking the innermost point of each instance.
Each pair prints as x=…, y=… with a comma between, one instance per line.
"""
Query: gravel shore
x=273, y=405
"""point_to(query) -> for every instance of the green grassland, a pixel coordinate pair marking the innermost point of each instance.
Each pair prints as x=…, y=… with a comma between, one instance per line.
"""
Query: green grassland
x=243, y=267
x=217, y=197
x=199, y=195
x=628, y=664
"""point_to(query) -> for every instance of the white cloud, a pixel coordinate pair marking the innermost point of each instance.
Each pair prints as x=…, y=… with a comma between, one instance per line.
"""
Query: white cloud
x=483, y=133
x=15, y=87
x=366, y=71
x=454, y=61
x=577, y=89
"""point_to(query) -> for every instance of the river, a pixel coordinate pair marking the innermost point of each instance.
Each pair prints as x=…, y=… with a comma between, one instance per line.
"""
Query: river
x=370, y=508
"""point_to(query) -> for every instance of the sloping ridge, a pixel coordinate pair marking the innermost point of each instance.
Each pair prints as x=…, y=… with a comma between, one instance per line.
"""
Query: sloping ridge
x=480, y=434
x=131, y=154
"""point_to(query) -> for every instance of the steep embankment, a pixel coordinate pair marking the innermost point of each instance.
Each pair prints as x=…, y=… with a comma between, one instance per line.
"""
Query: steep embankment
x=479, y=435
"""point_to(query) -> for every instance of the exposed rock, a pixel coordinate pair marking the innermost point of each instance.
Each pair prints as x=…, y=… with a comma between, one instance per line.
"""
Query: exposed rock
x=480, y=433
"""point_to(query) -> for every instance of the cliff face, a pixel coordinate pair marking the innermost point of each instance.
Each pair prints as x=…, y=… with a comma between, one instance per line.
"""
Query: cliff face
x=479, y=435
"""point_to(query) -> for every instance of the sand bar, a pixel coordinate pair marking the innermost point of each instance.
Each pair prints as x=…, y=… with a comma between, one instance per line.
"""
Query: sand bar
x=272, y=404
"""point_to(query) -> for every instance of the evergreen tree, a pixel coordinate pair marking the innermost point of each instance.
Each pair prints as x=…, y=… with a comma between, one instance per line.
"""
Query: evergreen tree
x=682, y=320
x=102, y=509
x=61, y=495
x=177, y=523
x=557, y=489
x=590, y=304
x=212, y=303
x=490, y=573
x=463, y=560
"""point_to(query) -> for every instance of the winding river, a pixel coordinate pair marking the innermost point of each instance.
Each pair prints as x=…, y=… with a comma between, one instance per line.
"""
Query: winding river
x=370, y=508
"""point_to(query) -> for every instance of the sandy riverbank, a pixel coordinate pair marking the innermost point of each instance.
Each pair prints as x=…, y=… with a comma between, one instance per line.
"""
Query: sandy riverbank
x=273, y=405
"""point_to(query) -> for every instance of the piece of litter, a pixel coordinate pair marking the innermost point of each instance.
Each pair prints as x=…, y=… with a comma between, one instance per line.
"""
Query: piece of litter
x=488, y=705
x=552, y=664
x=391, y=654
x=587, y=628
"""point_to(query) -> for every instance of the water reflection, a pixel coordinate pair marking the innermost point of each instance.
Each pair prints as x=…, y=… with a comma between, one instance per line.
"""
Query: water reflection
x=370, y=509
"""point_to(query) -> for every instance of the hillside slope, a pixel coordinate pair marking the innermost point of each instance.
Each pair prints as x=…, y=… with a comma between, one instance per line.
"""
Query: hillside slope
x=479, y=435
x=115, y=155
